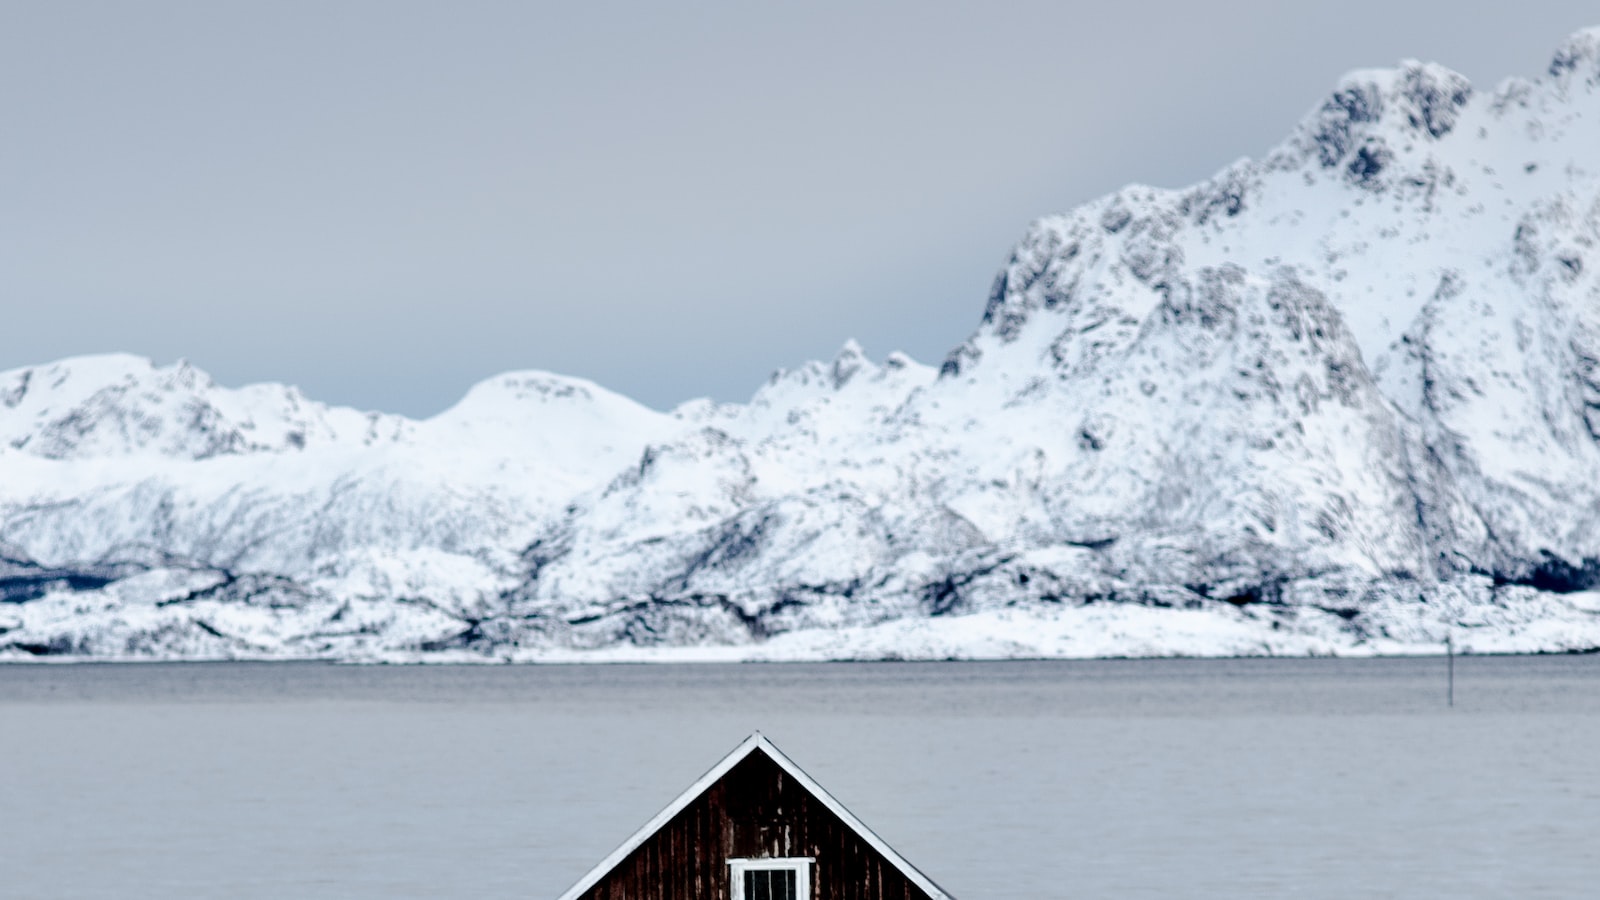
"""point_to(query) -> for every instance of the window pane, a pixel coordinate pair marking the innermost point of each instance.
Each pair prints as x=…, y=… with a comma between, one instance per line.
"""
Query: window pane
x=770, y=884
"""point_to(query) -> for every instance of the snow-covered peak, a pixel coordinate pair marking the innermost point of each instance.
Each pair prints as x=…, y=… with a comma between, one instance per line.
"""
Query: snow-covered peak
x=1408, y=170
x=516, y=396
x=1578, y=57
x=1450, y=237
x=828, y=399
x=1371, y=107
x=551, y=421
x=124, y=405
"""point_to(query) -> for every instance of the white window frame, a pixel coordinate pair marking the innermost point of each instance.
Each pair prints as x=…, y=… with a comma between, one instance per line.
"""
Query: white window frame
x=800, y=865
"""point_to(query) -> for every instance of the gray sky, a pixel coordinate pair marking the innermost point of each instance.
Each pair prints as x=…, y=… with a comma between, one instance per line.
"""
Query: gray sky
x=384, y=202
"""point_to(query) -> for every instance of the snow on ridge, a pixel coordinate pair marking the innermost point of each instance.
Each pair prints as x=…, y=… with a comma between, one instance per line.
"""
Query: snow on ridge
x=1341, y=399
x=1437, y=221
x=115, y=405
x=548, y=421
x=1578, y=56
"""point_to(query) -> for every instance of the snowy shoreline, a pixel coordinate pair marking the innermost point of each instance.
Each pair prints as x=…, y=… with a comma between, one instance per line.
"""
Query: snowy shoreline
x=1089, y=632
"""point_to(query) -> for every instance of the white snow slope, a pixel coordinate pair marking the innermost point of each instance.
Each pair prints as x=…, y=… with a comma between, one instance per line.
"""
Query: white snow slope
x=1344, y=399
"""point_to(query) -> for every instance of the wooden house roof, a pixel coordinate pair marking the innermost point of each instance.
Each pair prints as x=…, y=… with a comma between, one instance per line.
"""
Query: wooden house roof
x=755, y=743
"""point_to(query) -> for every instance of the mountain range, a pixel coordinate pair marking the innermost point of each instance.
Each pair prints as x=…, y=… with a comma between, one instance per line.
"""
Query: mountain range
x=1341, y=399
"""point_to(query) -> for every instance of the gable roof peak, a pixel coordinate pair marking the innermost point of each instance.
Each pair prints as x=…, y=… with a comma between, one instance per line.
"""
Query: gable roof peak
x=756, y=741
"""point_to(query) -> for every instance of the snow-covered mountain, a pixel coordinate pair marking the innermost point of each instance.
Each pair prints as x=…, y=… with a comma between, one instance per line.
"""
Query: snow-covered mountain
x=1345, y=398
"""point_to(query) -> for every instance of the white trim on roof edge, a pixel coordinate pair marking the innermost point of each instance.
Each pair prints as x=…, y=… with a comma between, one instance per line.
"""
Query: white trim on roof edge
x=754, y=742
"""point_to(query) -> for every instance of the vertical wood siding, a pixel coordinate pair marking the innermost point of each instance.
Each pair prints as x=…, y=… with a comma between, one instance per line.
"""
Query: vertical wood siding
x=756, y=810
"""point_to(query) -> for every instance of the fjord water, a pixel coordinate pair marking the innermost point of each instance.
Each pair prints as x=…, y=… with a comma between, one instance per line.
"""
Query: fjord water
x=1117, y=778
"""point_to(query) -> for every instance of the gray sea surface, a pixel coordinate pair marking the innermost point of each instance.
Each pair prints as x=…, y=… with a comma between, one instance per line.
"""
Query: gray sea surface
x=1116, y=778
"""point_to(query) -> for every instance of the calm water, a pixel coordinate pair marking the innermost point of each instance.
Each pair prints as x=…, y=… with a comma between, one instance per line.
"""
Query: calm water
x=1252, y=778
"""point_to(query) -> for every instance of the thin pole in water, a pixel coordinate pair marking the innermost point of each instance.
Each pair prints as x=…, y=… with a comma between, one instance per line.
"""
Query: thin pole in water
x=1450, y=655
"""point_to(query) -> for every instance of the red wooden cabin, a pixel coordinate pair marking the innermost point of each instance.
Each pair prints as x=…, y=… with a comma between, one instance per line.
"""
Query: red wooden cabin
x=755, y=827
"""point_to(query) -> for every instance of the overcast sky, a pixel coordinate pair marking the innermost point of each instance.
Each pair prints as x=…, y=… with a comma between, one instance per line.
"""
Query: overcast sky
x=385, y=202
